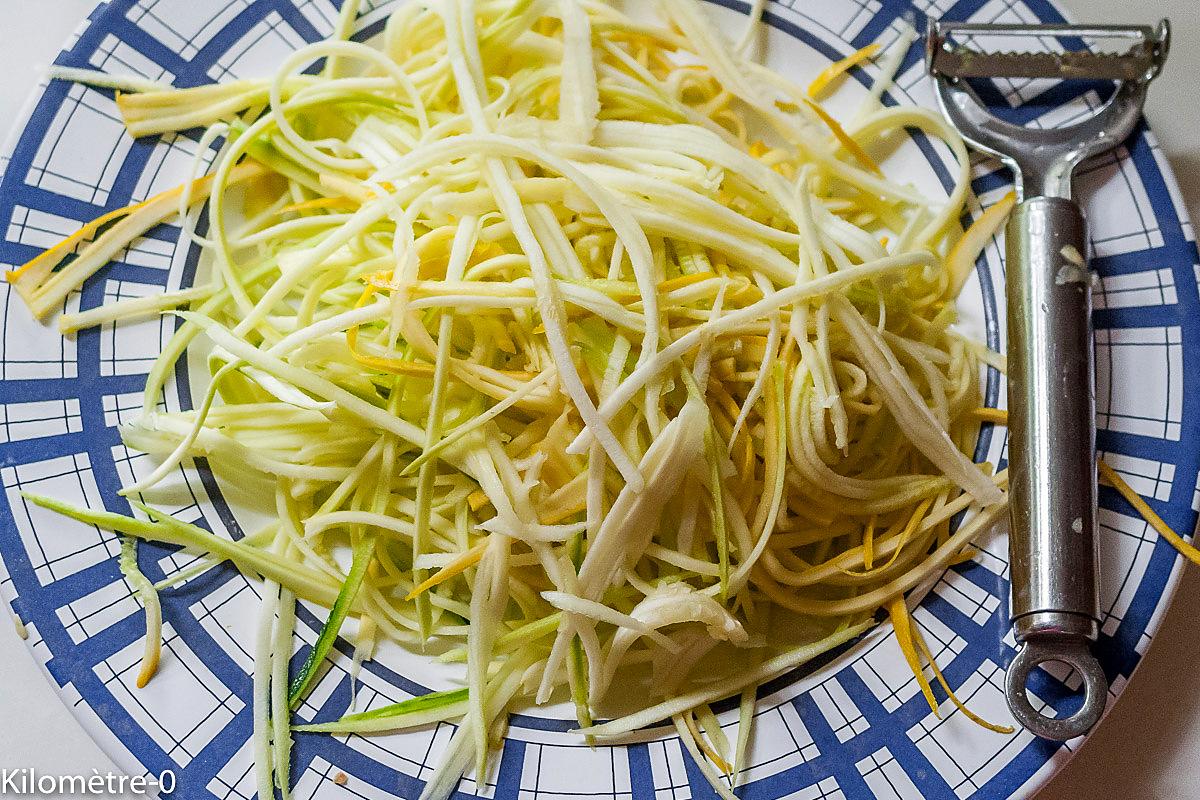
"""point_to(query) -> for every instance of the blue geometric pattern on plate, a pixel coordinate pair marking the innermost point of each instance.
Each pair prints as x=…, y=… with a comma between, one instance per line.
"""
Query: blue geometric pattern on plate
x=854, y=727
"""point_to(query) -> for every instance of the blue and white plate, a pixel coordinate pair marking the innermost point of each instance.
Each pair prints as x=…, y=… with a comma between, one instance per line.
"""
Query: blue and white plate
x=854, y=727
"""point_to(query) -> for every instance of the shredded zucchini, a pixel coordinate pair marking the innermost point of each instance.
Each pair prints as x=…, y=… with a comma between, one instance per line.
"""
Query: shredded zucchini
x=605, y=354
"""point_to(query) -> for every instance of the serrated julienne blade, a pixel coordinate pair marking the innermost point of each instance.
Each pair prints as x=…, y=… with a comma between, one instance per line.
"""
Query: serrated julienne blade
x=959, y=59
x=962, y=62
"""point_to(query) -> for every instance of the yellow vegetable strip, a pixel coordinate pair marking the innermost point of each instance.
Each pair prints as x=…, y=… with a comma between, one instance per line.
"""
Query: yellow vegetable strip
x=941, y=679
x=705, y=746
x=1185, y=549
x=869, y=543
x=318, y=203
x=840, y=67
x=902, y=622
x=152, y=650
x=961, y=260
x=901, y=539
x=455, y=567
x=1112, y=478
x=37, y=269
x=846, y=141
x=679, y=282
x=999, y=416
x=44, y=290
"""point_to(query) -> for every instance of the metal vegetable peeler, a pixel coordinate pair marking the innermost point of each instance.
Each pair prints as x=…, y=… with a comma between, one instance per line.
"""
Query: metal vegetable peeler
x=1051, y=389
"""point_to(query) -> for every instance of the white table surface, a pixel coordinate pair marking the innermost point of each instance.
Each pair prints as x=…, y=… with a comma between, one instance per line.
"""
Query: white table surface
x=1149, y=747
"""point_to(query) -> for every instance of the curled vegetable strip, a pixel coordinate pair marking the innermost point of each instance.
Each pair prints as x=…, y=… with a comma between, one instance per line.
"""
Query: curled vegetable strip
x=910, y=409
x=627, y=528
x=673, y=604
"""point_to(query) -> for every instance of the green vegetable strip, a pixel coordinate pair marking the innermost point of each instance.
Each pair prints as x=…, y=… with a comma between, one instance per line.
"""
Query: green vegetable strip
x=281, y=651
x=281, y=657
x=202, y=566
x=181, y=450
x=260, y=537
x=364, y=550
x=305, y=582
x=488, y=597
x=770, y=669
x=523, y=636
x=164, y=366
x=464, y=243
x=422, y=710
x=716, y=486
x=706, y=767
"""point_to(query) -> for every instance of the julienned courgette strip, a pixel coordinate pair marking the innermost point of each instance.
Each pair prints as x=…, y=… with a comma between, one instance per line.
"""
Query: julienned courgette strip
x=164, y=528
x=421, y=710
x=364, y=549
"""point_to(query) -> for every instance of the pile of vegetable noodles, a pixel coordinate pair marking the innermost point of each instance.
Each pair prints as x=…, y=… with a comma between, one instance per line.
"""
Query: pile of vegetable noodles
x=578, y=349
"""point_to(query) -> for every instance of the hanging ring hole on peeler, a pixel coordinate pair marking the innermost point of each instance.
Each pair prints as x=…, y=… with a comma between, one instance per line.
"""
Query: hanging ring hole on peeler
x=1074, y=653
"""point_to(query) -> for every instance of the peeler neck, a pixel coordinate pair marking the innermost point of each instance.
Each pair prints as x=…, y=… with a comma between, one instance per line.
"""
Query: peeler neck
x=1044, y=177
x=1042, y=157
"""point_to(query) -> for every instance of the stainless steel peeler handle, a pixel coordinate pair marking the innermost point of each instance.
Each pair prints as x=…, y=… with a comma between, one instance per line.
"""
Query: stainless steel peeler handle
x=1052, y=458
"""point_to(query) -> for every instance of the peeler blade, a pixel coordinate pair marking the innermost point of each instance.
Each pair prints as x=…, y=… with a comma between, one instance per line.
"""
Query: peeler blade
x=952, y=54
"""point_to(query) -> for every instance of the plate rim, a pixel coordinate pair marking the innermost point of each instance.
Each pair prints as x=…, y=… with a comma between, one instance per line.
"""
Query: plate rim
x=124, y=757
